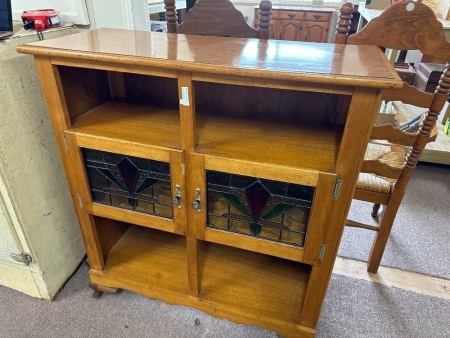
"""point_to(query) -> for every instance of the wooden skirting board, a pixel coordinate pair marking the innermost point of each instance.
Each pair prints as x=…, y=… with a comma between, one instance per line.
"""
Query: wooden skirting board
x=406, y=280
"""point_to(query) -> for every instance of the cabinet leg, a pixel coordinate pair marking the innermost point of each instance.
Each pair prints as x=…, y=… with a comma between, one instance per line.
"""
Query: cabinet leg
x=99, y=289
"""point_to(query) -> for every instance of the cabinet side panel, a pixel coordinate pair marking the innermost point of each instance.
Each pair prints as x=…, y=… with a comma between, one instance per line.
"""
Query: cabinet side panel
x=109, y=232
x=360, y=119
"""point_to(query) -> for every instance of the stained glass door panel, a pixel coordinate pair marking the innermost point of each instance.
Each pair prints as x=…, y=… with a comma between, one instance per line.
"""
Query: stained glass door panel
x=272, y=210
x=128, y=182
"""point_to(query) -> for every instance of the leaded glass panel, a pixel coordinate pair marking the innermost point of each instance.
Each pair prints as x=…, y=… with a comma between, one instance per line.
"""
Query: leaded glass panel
x=129, y=182
x=273, y=210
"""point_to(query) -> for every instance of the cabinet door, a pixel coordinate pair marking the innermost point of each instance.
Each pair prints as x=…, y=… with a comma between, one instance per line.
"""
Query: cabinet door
x=288, y=30
x=275, y=30
x=146, y=190
x=267, y=215
x=315, y=31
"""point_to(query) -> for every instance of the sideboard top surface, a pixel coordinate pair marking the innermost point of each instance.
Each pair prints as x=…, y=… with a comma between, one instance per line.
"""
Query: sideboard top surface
x=364, y=66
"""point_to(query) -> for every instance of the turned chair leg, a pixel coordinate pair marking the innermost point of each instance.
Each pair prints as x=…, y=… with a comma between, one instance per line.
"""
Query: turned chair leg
x=99, y=289
x=378, y=247
x=385, y=225
x=375, y=209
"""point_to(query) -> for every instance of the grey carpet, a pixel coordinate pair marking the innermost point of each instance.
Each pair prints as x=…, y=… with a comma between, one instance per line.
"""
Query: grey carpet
x=353, y=308
x=361, y=309
x=420, y=238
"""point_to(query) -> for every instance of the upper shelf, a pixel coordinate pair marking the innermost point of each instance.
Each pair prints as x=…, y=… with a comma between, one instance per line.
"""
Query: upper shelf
x=343, y=65
x=117, y=121
x=311, y=146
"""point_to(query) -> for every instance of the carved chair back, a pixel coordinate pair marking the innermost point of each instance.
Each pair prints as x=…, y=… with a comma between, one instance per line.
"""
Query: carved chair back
x=218, y=18
x=387, y=169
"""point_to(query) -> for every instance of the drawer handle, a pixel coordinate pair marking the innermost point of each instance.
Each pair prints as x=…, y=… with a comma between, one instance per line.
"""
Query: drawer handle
x=317, y=16
x=291, y=15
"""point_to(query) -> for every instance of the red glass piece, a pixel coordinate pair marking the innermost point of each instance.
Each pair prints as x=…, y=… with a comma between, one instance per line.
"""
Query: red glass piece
x=257, y=197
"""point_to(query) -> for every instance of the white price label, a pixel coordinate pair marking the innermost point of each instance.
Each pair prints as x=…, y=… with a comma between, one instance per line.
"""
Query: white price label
x=184, y=96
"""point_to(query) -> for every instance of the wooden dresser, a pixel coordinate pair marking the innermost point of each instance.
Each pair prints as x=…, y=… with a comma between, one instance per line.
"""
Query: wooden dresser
x=311, y=24
x=210, y=172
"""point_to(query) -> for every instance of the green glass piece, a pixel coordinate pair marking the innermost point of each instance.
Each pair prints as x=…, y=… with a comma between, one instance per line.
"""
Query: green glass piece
x=255, y=228
x=278, y=209
x=133, y=202
x=110, y=176
x=235, y=202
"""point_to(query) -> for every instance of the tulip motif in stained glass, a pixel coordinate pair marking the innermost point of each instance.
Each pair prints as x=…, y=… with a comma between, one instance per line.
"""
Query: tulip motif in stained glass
x=272, y=210
x=129, y=182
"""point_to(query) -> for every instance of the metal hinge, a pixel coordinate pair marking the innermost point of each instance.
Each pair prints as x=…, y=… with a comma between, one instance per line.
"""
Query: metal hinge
x=322, y=251
x=24, y=257
x=337, y=188
x=65, y=142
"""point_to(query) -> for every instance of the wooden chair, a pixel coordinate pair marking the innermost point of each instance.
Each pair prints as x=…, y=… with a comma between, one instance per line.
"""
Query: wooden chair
x=387, y=169
x=218, y=18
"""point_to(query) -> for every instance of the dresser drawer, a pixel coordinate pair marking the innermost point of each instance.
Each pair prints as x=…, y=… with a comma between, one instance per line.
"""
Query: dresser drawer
x=317, y=16
x=291, y=15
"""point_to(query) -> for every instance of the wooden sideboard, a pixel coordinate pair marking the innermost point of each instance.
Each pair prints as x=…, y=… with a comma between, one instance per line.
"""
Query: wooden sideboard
x=295, y=23
x=210, y=172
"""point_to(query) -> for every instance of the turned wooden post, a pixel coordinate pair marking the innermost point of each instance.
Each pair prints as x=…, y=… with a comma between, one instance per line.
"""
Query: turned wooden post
x=171, y=16
x=265, y=14
x=428, y=124
x=343, y=24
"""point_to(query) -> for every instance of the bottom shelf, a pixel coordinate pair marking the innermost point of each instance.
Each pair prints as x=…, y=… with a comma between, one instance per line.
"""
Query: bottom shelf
x=150, y=258
x=242, y=286
x=251, y=283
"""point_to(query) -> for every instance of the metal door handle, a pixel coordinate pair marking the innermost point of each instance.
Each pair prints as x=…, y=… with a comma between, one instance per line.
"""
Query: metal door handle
x=196, y=203
x=177, y=199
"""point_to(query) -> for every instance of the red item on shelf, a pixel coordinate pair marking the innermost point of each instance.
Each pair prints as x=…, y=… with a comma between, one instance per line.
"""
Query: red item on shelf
x=40, y=19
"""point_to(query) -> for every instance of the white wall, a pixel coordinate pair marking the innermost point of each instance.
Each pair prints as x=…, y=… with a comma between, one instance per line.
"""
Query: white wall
x=70, y=10
x=91, y=14
x=127, y=14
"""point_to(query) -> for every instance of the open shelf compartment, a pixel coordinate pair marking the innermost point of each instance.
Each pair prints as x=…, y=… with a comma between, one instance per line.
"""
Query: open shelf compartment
x=252, y=284
x=150, y=258
x=121, y=107
x=247, y=284
x=250, y=123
